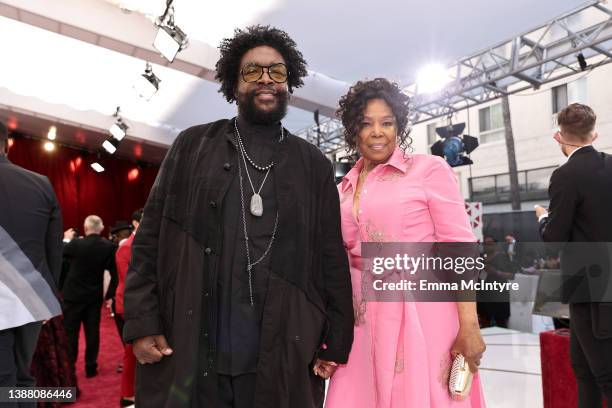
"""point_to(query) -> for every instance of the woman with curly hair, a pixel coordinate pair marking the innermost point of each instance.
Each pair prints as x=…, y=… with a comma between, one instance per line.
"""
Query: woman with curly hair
x=402, y=351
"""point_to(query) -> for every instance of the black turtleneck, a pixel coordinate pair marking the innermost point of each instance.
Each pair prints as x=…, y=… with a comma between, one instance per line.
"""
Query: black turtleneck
x=239, y=323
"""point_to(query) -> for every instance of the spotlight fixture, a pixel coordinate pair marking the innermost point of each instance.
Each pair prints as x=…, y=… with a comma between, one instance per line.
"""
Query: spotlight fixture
x=147, y=84
x=110, y=145
x=451, y=147
x=97, y=167
x=582, y=61
x=49, y=146
x=118, y=129
x=52, y=134
x=169, y=39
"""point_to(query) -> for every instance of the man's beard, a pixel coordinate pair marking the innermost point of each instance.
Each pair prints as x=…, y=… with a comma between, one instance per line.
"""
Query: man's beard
x=251, y=113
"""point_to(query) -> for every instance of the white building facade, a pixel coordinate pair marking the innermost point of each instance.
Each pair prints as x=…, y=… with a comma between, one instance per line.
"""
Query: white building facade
x=533, y=115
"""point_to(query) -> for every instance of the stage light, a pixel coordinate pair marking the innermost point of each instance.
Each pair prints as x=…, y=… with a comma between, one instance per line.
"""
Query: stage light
x=97, y=167
x=12, y=123
x=118, y=129
x=75, y=164
x=582, y=61
x=169, y=39
x=452, y=147
x=11, y=142
x=49, y=146
x=110, y=145
x=133, y=174
x=432, y=78
x=52, y=134
x=147, y=84
x=137, y=151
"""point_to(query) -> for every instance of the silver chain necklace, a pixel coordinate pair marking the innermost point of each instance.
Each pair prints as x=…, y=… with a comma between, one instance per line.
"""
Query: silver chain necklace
x=256, y=205
x=246, y=234
x=243, y=150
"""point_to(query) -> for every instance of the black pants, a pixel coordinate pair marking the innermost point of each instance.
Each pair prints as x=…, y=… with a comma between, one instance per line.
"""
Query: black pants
x=119, y=322
x=236, y=392
x=16, y=349
x=89, y=315
x=591, y=359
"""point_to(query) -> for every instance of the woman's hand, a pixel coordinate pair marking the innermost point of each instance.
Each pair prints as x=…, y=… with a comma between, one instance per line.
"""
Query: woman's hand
x=470, y=345
x=324, y=368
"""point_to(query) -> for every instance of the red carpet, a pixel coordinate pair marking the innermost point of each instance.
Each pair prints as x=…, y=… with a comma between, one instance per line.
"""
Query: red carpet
x=104, y=389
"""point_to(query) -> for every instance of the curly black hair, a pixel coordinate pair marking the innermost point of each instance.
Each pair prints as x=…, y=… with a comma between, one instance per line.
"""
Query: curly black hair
x=354, y=102
x=233, y=49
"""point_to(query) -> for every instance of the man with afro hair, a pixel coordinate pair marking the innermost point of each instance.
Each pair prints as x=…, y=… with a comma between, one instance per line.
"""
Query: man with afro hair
x=238, y=292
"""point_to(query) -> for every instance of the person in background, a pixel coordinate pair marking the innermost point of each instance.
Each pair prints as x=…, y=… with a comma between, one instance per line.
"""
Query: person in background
x=511, y=247
x=580, y=212
x=122, y=260
x=83, y=288
x=120, y=232
x=30, y=265
x=494, y=306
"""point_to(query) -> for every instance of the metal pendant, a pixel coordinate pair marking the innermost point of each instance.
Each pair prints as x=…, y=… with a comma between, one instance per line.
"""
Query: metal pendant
x=256, y=205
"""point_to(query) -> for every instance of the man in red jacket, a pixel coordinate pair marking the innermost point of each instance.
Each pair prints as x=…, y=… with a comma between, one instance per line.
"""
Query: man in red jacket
x=122, y=259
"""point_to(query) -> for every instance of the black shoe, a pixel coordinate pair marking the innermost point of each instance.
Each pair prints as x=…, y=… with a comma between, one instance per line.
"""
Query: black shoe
x=91, y=373
x=126, y=402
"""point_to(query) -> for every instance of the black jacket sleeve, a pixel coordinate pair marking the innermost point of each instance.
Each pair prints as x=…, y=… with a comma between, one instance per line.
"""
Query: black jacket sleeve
x=53, y=238
x=141, y=296
x=111, y=267
x=564, y=199
x=70, y=249
x=337, y=278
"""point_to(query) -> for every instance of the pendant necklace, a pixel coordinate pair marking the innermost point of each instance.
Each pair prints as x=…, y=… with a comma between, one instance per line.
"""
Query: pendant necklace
x=256, y=203
x=251, y=264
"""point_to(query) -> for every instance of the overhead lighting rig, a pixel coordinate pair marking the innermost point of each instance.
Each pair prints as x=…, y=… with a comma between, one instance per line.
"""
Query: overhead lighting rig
x=147, y=84
x=169, y=39
x=119, y=128
x=110, y=145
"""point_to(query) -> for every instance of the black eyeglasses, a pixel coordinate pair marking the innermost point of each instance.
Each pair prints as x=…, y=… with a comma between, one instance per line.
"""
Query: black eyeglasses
x=253, y=72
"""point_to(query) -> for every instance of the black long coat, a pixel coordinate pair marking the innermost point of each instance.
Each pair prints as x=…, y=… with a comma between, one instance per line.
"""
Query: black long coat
x=171, y=282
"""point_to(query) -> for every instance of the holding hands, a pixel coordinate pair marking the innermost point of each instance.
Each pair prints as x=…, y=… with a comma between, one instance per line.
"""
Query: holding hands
x=324, y=369
x=151, y=349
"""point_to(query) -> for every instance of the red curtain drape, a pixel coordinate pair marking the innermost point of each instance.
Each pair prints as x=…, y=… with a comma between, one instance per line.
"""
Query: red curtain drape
x=113, y=195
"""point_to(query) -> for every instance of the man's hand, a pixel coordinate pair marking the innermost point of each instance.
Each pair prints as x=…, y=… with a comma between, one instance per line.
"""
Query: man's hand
x=109, y=303
x=151, y=349
x=540, y=211
x=324, y=368
x=69, y=234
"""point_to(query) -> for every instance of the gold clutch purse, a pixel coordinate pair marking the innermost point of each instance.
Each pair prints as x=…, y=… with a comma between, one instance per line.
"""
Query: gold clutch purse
x=460, y=380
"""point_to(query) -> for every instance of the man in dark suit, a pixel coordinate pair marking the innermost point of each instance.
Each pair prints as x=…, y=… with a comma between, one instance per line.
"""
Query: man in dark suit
x=83, y=288
x=581, y=212
x=30, y=262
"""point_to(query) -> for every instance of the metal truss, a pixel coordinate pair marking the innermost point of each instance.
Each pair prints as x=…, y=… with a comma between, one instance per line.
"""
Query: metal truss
x=527, y=61
x=331, y=138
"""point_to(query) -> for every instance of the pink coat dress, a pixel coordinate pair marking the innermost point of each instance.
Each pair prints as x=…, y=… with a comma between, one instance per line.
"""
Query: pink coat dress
x=401, y=351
